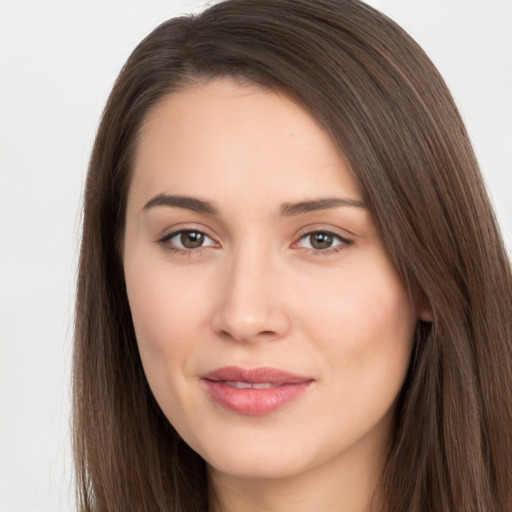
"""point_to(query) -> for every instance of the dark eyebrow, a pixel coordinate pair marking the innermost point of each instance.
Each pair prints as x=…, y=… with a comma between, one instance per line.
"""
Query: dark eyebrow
x=289, y=209
x=188, y=203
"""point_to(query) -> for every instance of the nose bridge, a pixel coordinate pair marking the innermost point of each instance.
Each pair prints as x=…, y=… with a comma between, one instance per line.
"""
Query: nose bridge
x=250, y=307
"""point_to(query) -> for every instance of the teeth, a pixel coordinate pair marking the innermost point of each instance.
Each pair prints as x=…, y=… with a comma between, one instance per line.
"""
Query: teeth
x=249, y=385
x=264, y=385
x=239, y=385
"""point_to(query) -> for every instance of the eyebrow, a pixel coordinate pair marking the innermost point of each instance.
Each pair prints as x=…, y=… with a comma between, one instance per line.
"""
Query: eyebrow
x=290, y=209
x=286, y=210
x=186, y=202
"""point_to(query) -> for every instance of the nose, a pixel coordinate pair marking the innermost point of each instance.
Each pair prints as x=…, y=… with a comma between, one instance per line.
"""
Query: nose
x=251, y=304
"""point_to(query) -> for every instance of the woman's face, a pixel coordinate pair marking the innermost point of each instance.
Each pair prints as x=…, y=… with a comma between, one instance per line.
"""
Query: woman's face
x=274, y=331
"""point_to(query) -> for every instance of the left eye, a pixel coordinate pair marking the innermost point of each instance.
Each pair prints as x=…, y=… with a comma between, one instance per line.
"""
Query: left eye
x=190, y=239
x=321, y=240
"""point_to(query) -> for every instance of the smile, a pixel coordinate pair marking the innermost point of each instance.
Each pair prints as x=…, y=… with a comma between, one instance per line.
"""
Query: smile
x=254, y=392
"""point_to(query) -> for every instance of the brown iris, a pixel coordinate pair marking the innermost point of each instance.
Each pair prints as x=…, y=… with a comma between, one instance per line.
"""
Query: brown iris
x=192, y=239
x=321, y=240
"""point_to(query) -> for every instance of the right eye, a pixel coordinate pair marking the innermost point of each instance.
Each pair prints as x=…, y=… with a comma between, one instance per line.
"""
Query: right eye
x=188, y=240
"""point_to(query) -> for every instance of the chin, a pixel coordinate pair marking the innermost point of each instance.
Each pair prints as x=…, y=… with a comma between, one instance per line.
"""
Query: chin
x=265, y=455
x=259, y=465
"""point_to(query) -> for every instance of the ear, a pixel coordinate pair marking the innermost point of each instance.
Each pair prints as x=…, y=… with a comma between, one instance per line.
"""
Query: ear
x=422, y=307
x=424, y=312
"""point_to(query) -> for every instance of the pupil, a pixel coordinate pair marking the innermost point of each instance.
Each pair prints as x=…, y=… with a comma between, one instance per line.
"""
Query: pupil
x=321, y=240
x=192, y=239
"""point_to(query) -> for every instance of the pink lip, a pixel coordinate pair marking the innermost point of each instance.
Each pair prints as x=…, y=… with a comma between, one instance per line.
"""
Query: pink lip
x=254, y=402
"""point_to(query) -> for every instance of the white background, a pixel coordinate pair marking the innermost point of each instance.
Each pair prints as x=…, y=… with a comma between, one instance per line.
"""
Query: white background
x=58, y=61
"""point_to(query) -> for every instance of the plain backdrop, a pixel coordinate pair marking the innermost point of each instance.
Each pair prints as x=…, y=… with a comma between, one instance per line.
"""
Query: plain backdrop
x=58, y=61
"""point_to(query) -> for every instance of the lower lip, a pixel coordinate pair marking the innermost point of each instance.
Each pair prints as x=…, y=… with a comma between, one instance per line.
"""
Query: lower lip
x=254, y=402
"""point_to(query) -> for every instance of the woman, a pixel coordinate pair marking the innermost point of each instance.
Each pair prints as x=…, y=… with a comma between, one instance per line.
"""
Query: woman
x=292, y=293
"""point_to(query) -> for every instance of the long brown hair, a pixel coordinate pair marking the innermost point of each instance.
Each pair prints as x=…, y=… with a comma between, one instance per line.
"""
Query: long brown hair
x=385, y=105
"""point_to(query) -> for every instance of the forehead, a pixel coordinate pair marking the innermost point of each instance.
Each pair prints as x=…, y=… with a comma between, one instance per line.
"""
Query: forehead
x=222, y=134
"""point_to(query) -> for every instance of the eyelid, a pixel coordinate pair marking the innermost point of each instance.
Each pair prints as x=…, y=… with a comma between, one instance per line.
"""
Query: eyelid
x=165, y=240
x=310, y=230
x=181, y=231
x=175, y=229
x=344, y=234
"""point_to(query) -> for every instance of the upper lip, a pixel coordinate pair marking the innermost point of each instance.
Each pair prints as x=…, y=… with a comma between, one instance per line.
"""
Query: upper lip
x=254, y=375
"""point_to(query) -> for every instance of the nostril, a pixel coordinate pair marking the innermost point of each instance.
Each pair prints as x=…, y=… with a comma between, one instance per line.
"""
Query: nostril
x=227, y=335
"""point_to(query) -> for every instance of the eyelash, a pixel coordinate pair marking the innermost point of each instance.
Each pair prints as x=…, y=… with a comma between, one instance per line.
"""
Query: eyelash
x=341, y=246
x=166, y=243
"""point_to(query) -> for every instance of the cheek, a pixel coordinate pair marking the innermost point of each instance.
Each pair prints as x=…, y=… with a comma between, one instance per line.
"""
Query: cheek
x=164, y=312
x=361, y=308
x=167, y=325
x=364, y=327
x=364, y=323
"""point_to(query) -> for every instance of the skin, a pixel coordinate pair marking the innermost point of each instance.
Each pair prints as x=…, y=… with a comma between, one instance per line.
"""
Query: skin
x=259, y=293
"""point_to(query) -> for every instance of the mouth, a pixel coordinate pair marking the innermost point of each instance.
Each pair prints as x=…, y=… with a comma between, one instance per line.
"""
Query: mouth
x=250, y=385
x=254, y=392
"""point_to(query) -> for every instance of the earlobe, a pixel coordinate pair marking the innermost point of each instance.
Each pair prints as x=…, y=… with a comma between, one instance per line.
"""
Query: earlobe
x=423, y=307
x=425, y=313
